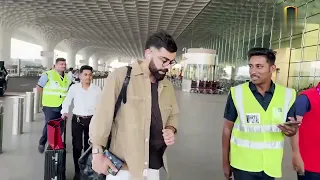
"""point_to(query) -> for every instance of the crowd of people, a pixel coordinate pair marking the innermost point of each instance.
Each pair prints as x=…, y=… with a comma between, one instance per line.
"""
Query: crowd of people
x=258, y=116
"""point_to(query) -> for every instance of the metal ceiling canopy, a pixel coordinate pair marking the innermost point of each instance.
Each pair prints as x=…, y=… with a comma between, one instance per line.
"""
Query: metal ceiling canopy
x=120, y=26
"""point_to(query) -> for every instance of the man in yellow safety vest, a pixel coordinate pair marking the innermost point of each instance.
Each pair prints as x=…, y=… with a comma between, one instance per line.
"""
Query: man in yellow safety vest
x=54, y=86
x=256, y=119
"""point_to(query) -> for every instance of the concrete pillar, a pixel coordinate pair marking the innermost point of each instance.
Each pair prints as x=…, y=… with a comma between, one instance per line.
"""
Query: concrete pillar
x=47, y=62
x=71, y=60
x=234, y=72
x=95, y=62
x=85, y=60
x=5, y=44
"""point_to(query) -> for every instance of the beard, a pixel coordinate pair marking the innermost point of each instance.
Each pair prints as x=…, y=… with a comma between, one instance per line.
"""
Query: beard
x=156, y=72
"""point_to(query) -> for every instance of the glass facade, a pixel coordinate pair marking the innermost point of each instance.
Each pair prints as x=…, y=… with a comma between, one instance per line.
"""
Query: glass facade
x=291, y=28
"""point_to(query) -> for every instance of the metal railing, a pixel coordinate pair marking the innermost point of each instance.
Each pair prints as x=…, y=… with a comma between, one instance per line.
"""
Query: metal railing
x=99, y=81
x=25, y=107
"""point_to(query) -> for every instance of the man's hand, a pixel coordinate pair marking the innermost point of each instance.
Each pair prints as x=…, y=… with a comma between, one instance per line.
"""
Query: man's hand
x=168, y=136
x=297, y=163
x=101, y=164
x=227, y=171
x=64, y=115
x=289, y=130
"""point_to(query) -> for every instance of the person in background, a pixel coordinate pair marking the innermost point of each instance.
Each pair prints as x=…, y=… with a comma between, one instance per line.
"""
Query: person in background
x=255, y=122
x=70, y=74
x=76, y=76
x=53, y=85
x=306, y=146
x=85, y=96
x=147, y=123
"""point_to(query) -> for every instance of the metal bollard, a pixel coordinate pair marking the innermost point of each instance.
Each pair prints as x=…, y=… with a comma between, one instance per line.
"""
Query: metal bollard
x=36, y=106
x=1, y=127
x=17, y=116
x=29, y=106
x=99, y=82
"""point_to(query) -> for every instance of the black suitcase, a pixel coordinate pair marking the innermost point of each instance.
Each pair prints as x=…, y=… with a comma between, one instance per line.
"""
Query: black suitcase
x=55, y=162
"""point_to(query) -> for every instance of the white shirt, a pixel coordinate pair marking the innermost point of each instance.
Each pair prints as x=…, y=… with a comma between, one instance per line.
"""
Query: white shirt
x=70, y=75
x=84, y=100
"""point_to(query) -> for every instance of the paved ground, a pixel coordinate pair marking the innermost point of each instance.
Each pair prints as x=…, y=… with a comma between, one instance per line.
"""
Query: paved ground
x=196, y=154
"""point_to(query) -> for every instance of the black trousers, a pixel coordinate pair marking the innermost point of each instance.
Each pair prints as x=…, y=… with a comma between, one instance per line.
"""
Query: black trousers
x=309, y=176
x=80, y=137
x=245, y=175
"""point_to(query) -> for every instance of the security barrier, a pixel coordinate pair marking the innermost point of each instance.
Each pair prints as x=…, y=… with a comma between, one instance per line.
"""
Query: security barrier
x=99, y=82
x=25, y=107
x=17, y=115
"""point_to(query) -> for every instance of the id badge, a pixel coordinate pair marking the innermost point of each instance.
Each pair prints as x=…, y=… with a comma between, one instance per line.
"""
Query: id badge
x=277, y=113
x=253, y=118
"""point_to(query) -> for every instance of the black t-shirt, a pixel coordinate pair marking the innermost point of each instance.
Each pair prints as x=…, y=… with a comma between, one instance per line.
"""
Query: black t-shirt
x=157, y=145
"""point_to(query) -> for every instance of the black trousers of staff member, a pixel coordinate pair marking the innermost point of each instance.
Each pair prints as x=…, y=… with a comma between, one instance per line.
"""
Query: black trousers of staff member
x=245, y=175
x=80, y=137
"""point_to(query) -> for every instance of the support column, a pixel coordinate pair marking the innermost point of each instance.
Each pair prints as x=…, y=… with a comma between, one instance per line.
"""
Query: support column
x=47, y=61
x=5, y=44
x=71, y=60
x=234, y=72
x=95, y=62
x=85, y=60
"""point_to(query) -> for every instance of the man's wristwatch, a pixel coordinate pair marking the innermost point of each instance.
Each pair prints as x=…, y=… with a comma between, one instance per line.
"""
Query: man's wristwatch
x=97, y=151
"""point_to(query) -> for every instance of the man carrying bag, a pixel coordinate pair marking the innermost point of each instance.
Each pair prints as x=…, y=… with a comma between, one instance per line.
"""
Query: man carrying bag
x=85, y=161
x=144, y=126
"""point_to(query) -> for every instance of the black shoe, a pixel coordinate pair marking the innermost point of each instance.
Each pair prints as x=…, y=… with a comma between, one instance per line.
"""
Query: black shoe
x=77, y=176
x=41, y=148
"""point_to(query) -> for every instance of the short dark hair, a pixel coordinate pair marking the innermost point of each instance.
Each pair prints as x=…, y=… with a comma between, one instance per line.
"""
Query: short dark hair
x=60, y=60
x=160, y=40
x=71, y=69
x=86, y=67
x=269, y=54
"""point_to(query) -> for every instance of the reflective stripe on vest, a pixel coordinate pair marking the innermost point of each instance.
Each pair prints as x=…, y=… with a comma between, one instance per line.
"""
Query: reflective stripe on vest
x=258, y=146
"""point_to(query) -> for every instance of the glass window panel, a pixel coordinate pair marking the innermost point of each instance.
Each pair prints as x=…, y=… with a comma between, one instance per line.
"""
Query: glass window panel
x=304, y=82
x=305, y=69
x=294, y=69
x=295, y=55
x=316, y=80
x=291, y=82
x=296, y=41
x=275, y=34
x=311, y=37
x=313, y=8
x=275, y=45
x=315, y=70
x=310, y=53
x=313, y=23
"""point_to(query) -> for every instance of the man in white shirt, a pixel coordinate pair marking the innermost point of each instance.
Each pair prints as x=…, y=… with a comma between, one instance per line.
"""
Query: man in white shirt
x=70, y=74
x=85, y=96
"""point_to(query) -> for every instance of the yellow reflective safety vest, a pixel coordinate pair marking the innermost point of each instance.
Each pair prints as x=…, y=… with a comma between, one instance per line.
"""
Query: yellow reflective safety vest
x=256, y=142
x=55, y=89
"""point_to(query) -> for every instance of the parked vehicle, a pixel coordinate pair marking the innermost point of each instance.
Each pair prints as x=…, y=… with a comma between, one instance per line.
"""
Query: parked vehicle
x=3, y=83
